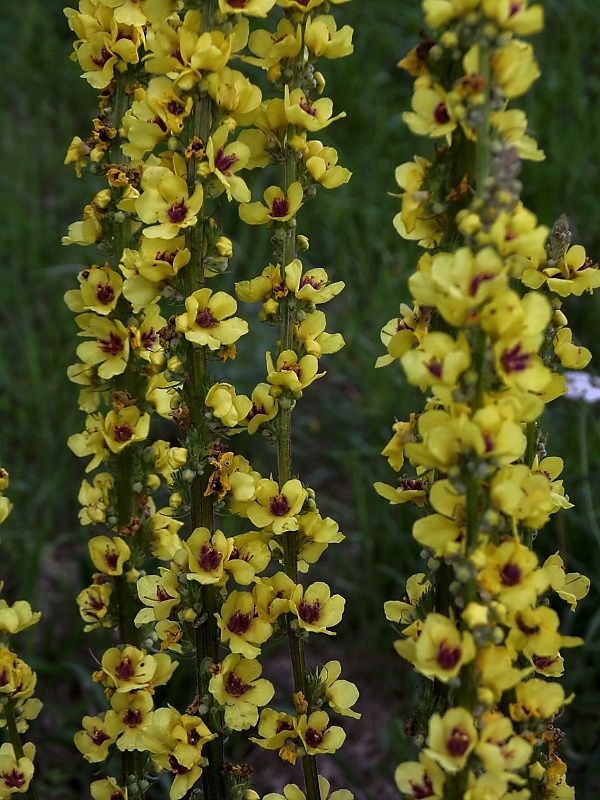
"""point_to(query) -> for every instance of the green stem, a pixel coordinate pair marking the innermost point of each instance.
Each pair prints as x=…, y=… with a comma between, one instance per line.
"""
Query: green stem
x=201, y=505
x=126, y=497
x=284, y=472
x=15, y=740
x=482, y=157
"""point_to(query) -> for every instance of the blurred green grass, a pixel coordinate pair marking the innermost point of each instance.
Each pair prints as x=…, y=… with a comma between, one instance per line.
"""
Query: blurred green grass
x=343, y=424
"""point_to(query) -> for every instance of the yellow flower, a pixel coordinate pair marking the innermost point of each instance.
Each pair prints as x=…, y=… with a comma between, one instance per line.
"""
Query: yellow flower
x=158, y=592
x=574, y=274
x=279, y=206
x=525, y=496
x=340, y=694
x=273, y=595
x=234, y=94
x=93, y=605
x=176, y=741
x=291, y=373
x=100, y=288
x=316, y=534
x=313, y=286
x=304, y=114
x=252, y=8
x=107, y=789
x=129, y=714
x=322, y=166
x=440, y=12
x=91, y=442
x=422, y=778
x=17, y=617
x=538, y=699
x=208, y=321
x=128, y=668
x=515, y=17
x=206, y=559
x=166, y=202
x=514, y=66
x=263, y=409
x=167, y=105
x=95, y=498
x=452, y=738
x=324, y=40
x=569, y=354
x=316, y=735
x=231, y=408
x=459, y=283
x=223, y=162
x=17, y=679
x=430, y=115
x=501, y=751
x=496, y=673
x=277, y=509
x=238, y=687
x=438, y=360
x=110, y=350
x=125, y=426
x=535, y=631
x=440, y=651
x=571, y=586
x=511, y=575
x=241, y=627
x=109, y=555
x=272, y=48
x=293, y=792
x=315, y=607
x=275, y=728
x=95, y=738
x=405, y=611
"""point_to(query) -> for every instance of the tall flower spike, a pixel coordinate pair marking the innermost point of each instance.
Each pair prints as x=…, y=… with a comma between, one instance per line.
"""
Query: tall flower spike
x=17, y=686
x=283, y=507
x=476, y=625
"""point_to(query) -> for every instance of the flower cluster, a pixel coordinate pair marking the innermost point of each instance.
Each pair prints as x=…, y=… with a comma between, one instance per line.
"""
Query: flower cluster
x=178, y=126
x=18, y=706
x=485, y=336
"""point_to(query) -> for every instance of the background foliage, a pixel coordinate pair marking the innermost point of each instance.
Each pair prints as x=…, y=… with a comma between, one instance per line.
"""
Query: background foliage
x=342, y=427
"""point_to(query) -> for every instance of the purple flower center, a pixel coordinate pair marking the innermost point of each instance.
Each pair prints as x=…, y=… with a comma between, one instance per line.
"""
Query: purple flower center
x=310, y=612
x=209, y=558
x=280, y=207
x=113, y=345
x=440, y=114
x=175, y=107
x=435, y=367
x=314, y=737
x=98, y=736
x=448, y=657
x=458, y=743
x=124, y=670
x=205, y=319
x=122, y=433
x=235, y=686
x=132, y=717
x=511, y=574
x=177, y=212
x=279, y=505
x=514, y=359
x=104, y=293
x=478, y=280
x=239, y=622
x=308, y=280
x=224, y=163
x=420, y=791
